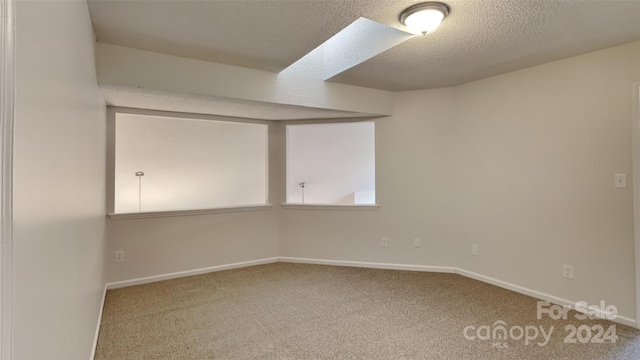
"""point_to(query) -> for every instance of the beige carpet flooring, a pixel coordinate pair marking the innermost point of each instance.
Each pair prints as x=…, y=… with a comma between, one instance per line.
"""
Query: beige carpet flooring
x=294, y=311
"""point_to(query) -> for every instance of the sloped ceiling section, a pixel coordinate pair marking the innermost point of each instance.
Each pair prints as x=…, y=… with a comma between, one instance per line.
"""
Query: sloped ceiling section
x=138, y=98
x=142, y=79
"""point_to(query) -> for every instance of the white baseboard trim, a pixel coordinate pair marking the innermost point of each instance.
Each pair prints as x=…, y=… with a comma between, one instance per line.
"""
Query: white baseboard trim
x=175, y=275
x=446, y=269
x=537, y=294
x=95, y=337
x=369, y=265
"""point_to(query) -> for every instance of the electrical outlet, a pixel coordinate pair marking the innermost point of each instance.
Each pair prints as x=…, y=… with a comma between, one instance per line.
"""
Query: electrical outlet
x=384, y=243
x=475, y=250
x=417, y=242
x=567, y=271
x=620, y=181
x=119, y=256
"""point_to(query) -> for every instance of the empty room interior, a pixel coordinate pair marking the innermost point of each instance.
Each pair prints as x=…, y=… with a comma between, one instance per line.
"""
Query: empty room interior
x=296, y=179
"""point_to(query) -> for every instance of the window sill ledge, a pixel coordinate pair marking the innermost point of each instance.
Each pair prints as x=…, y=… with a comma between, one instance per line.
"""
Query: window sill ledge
x=161, y=214
x=330, y=207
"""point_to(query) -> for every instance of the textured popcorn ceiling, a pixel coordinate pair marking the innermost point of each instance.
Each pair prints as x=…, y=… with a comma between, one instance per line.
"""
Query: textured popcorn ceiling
x=479, y=38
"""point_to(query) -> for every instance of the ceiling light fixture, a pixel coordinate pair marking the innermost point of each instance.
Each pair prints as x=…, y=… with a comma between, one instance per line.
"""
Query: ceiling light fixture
x=424, y=17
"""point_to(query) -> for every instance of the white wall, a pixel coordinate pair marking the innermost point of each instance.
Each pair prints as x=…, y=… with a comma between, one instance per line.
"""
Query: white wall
x=535, y=158
x=59, y=183
x=520, y=164
x=412, y=170
x=335, y=161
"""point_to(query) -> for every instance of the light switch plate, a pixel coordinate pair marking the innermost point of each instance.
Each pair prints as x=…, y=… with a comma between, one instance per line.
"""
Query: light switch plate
x=620, y=181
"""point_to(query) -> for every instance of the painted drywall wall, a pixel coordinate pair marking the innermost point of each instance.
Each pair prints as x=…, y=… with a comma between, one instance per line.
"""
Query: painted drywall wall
x=166, y=245
x=334, y=161
x=412, y=174
x=520, y=164
x=535, y=159
x=59, y=183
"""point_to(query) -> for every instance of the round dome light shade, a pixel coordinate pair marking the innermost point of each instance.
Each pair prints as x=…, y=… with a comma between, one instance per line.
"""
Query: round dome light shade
x=425, y=17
